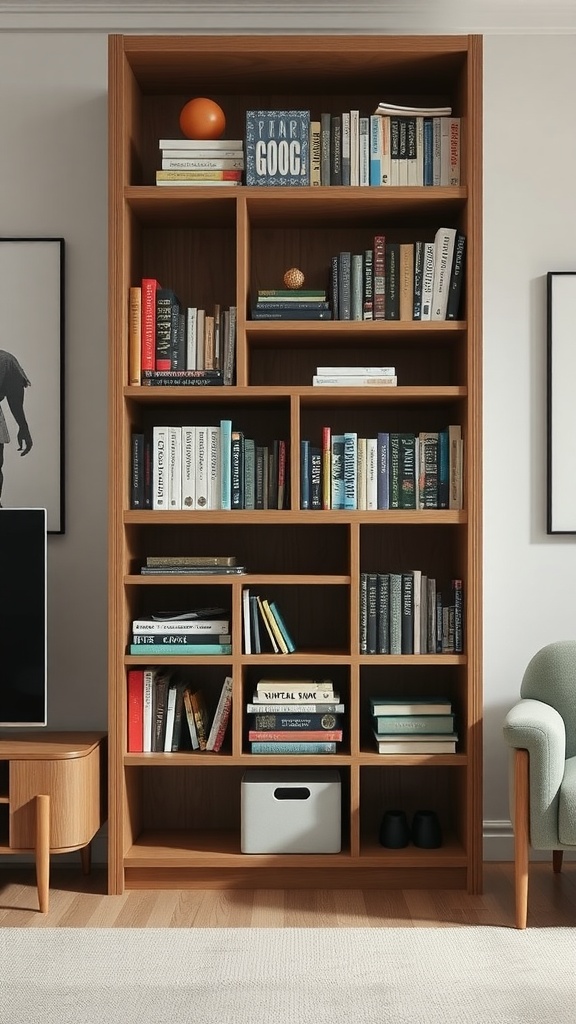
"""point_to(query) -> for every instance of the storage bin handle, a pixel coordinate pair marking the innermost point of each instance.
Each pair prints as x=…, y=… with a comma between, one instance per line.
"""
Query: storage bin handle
x=296, y=793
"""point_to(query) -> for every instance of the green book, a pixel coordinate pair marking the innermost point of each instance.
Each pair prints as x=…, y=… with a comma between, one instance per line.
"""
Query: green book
x=147, y=649
x=413, y=724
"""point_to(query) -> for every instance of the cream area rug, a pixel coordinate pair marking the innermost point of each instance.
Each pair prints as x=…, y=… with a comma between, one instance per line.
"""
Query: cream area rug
x=466, y=975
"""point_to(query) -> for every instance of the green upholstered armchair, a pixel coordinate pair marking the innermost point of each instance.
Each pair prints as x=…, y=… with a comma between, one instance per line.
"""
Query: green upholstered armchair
x=541, y=730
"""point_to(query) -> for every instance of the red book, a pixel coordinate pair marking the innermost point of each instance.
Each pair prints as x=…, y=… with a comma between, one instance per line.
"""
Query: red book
x=326, y=467
x=135, y=710
x=149, y=288
x=221, y=716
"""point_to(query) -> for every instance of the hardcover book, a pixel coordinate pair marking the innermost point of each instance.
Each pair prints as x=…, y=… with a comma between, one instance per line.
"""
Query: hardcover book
x=277, y=147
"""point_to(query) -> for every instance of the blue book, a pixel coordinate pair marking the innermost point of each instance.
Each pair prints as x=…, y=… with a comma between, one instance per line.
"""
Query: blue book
x=184, y=649
x=225, y=464
x=337, y=471
x=350, y=470
x=428, y=151
x=290, y=747
x=282, y=627
x=277, y=147
x=375, y=149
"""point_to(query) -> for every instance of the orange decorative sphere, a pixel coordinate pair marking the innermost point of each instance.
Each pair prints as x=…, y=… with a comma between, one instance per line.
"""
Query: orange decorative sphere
x=294, y=278
x=202, y=118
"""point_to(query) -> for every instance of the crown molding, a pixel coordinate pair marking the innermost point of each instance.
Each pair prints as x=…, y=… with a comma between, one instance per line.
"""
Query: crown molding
x=519, y=17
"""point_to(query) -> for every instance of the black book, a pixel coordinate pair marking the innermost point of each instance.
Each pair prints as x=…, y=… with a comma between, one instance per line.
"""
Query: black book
x=456, y=279
x=407, y=634
x=137, y=474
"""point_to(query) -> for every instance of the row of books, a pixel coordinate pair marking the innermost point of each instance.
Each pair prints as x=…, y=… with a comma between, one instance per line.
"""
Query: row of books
x=299, y=716
x=167, y=713
x=394, y=470
x=409, y=613
x=421, y=726
x=206, y=467
x=197, y=162
x=264, y=626
x=387, y=147
x=165, y=637
x=420, y=280
x=167, y=338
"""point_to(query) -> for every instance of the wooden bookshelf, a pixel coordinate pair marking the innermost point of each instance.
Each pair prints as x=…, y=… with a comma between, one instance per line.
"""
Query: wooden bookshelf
x=174, y=819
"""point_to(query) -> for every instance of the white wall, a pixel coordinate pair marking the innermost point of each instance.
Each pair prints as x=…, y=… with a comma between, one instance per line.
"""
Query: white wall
x=53, y=167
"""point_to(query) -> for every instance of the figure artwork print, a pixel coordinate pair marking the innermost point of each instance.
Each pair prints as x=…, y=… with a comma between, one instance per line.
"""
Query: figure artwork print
x=31, y=376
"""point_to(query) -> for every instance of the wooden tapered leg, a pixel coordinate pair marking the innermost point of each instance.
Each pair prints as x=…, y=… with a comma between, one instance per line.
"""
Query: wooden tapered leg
x=521, y=835
x=86, y=858
x=43, y=851
x=557, y=856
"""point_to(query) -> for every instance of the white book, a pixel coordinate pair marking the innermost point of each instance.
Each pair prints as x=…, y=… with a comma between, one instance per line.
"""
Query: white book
x=246, y=621
x=293, y=686
x=164, y=626
x=214, y=491
x=353, y=381
x=345, y=147
x=160, y=468
x=175, y=468
x=443, y=256
x=191, y=338
x=427, y=280
x=356, y=371
x=398, y=110
x=202, y=468
x=412, y=158
x=174, y=163
x=170, y=715
x=371, y=473
x=188, y=480
x=149, y=677
x=203, y=154
x=216, y=144
x=195, y=183
x=417, y=599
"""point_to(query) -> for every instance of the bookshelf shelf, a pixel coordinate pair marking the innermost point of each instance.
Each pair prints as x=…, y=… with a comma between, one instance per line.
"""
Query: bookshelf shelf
x=175, y=818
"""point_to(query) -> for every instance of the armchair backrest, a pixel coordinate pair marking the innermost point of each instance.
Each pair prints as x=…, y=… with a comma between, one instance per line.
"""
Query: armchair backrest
x=551, y=678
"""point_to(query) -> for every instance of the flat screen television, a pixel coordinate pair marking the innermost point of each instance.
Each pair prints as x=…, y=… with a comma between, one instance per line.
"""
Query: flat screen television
x=23, y=617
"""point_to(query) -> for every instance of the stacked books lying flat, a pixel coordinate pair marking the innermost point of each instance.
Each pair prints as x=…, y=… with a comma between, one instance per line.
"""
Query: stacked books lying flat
x=413, y=726
x=200, y=632
x=301, y=716
x=193, y=162
x=192, y=565
x=264, y=627
x=291, y=304
x=167, y=713
x=408, y=613
x=355, y=376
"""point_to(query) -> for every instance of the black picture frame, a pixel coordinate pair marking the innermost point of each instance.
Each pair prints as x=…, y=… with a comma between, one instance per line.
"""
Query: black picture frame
x=32, y=293
x=561, y=403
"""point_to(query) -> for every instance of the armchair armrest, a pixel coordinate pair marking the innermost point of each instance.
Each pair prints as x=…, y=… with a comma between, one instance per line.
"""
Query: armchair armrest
x=538, y=728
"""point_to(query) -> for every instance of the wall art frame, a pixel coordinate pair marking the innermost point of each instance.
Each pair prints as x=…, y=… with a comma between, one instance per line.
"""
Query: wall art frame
x=561, y=402
x=32, y=344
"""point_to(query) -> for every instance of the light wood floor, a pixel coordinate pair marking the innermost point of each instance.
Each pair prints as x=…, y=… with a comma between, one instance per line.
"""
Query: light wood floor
x=77, y=901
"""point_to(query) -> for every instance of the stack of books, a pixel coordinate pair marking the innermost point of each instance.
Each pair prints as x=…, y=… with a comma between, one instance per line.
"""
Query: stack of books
x=300, y=716
x=417, y=725
x=199, y=631
x=264, y=626
x=192, y=162
x=355, y=376
x=192, y=565
x=167, y=713
x=291, y=304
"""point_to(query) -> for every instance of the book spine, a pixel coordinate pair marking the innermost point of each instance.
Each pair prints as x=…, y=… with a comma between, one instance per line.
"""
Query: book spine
x=195, y=626
x=294, y=736
x=427, y=281
x=337, y=465
x=326, y=468
x=221, y=717
x=379, y=277
x=134, y=334
x=160, y=468
x=164, y=299
x=335, y=149
x=407, y=628
x=363, y=604
x=287, y=747
x=325, y=132
x=202, y=468
x=179, y=639
x=295, y=722
x=188, y=472
x=371, y=473
x=304, y=473
x=308, y=694
x=383, y=613
x=149, y=287
x=368, y=298
x=443, y=255
x=456, y=279
x=407, y=470
x=406, y=281
x=383, y=470
x=350, y=470
x=226, y=464
x=174, y=468
x=135, y=712
x=315, y=153
x=372, y=617
x=308, y=708
x=137, y=471
x=184, y=649
x=186, y=163
x=214, y=473
x=392, y=281
x=237, y=469
x=375, y=149
x=345, y=147
x=315, y=478
x=357, y=287
x=344, y=286
x=413, y=724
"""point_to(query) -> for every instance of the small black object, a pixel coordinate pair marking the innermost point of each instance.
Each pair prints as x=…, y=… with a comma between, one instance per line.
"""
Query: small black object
x=394, y=830
x=426, y=831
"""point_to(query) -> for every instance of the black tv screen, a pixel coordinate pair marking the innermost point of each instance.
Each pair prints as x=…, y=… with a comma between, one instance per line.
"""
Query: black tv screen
x=23, y=619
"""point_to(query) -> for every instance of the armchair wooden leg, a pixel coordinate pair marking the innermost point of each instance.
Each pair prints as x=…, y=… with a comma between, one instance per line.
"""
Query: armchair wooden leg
x=521, y=835
x=557, y=856
x=43, y=851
